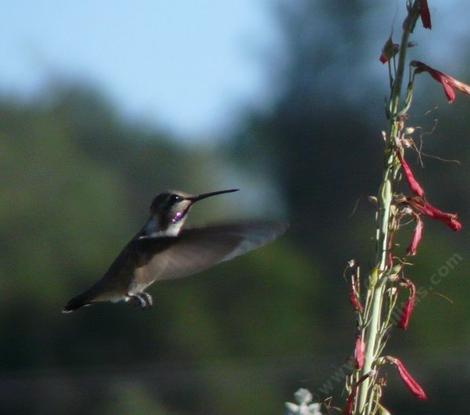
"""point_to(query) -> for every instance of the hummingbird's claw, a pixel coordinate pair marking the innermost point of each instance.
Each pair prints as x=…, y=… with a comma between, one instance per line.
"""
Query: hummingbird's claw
x=143, y=300
x=149, y=299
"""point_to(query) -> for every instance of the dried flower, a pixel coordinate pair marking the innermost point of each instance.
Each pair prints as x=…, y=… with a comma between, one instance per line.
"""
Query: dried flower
x=359, y=352
x=416, y=237
x=389, y=50
x=410, y=178
x=407, y=379
x=425, y=14
x=408, y=307
x=449, y=84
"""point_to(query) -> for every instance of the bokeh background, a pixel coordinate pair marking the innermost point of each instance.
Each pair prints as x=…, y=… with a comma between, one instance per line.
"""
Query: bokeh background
x=104, y=104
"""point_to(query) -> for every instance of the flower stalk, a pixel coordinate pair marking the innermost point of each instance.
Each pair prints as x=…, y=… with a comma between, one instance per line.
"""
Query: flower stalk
x=375, y=303
x=367, y=394
x=376, y=313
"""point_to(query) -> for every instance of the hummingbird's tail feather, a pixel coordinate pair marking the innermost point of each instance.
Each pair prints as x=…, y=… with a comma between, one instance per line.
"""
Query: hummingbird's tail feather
x=77, y=302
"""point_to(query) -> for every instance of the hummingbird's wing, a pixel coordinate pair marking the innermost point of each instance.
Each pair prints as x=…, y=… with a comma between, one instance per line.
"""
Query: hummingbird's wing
x=196, y=249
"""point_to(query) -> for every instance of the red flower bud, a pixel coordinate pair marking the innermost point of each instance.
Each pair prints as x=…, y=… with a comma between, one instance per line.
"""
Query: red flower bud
x=448, y=83
x=425, y=14
x=408, y=307
x=410, y=178
x=416, y=237
x=359, y=352
x=407, y=379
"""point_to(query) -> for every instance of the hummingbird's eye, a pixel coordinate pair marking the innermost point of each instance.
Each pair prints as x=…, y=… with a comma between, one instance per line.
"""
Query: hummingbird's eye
x=175, y=198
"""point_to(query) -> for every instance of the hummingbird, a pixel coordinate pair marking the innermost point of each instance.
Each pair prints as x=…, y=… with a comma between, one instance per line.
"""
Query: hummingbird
x=164, y=249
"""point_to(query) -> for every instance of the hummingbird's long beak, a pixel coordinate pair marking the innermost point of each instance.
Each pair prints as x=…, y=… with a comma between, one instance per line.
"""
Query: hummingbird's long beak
x=197, y=198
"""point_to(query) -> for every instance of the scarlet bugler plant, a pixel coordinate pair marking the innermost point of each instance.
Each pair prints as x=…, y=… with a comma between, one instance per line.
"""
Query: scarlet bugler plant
x=375, y=299
x=375, y=304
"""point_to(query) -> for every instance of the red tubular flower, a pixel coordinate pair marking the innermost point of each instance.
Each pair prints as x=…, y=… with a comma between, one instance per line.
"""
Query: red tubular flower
x=450, y=219
x=408, y=307
x=421, y=206
x=389, y=50
x=425, y=14
x=359, y=352
x=449, y=84
x=416, y=237
x=410, y=178
x=407, y=379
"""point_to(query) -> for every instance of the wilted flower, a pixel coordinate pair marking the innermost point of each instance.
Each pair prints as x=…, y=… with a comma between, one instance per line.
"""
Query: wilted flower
x=389, y=50
x=449, y=84
x=425, y=14
x=407, y=379
x=408, y=307
x=304, y=405
x=359, y=352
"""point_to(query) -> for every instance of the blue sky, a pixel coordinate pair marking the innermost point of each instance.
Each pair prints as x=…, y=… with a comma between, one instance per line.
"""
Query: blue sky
x=184, y=65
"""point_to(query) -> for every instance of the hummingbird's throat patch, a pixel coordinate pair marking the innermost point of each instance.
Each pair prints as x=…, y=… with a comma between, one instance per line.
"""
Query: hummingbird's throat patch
x=177, y=217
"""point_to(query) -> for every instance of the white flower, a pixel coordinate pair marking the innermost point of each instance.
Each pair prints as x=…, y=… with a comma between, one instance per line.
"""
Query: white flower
x=304, y=405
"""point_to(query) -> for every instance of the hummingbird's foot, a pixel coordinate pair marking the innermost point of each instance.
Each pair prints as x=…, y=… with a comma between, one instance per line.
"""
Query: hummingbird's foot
x=148, y=298
x=143, y=299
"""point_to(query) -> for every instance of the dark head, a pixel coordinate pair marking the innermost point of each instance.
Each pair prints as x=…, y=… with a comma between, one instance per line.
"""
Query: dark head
x=169, y=211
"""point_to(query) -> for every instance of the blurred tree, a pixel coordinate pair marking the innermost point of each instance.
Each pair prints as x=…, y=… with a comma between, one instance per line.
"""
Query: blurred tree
x=319, y=140
x=78, y=181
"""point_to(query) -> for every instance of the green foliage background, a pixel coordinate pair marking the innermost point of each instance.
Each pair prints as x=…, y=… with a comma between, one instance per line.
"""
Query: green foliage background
x=239, y=339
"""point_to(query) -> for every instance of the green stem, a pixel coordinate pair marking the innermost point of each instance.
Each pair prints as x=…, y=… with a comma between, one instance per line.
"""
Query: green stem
x=378, y=282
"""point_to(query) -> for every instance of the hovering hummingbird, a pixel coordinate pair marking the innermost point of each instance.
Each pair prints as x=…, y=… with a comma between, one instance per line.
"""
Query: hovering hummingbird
x=162, y=249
